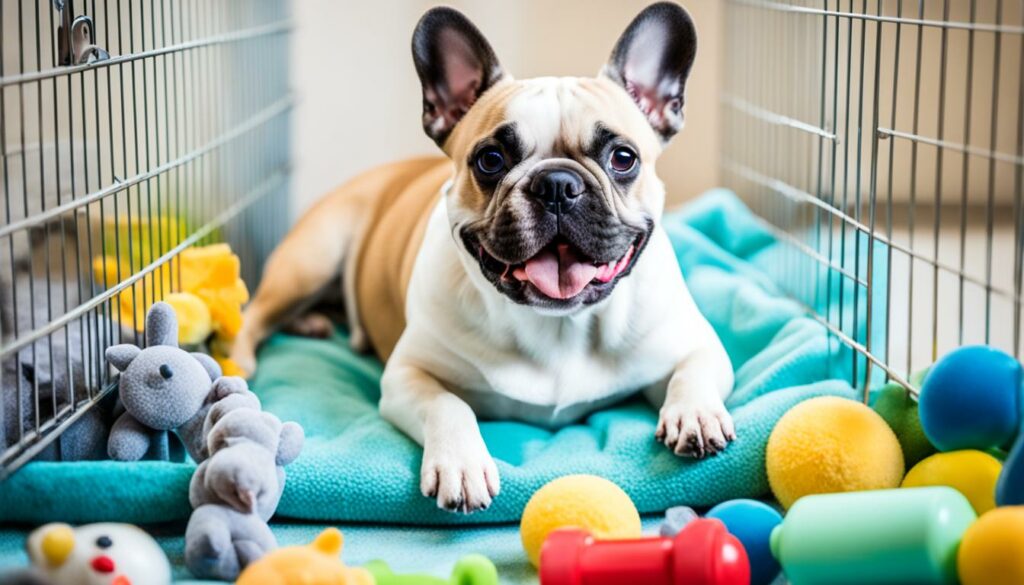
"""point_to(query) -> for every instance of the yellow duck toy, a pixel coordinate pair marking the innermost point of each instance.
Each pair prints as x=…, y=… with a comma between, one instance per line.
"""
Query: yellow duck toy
x=312, y=564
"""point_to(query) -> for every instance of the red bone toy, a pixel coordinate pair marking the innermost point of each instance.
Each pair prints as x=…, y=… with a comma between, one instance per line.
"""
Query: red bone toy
x=703, y=553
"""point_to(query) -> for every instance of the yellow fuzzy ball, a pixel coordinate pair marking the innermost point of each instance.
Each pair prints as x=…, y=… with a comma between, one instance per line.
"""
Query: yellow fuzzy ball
x=582, y=501
x=990, y=553
x=830, y=444
x=972, y=473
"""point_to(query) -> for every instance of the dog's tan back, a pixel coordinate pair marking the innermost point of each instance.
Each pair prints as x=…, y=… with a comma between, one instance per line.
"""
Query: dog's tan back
x=393, y=231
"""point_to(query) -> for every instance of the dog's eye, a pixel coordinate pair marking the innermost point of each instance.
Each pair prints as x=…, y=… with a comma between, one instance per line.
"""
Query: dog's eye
x=490, y=161
x=623, y=160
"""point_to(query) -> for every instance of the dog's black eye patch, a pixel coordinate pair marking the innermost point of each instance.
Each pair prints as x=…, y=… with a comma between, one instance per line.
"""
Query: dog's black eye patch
x=504, y=146
x=603, y=136
x=508, y=138
x=601, y=149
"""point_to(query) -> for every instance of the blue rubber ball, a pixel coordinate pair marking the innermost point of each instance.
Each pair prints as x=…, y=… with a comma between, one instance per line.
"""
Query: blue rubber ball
x=971, y=399
x=752, y=523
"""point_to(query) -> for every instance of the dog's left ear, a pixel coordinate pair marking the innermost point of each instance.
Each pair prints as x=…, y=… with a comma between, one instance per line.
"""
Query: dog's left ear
x=652, y=60
x=456, y=65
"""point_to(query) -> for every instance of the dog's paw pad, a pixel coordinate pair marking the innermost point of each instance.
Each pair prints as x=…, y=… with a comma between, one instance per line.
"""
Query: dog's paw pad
x=695, y=430
x=460, y=485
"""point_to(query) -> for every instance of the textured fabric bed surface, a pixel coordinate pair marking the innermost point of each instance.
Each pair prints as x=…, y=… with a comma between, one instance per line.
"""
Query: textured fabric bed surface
x=357, y=468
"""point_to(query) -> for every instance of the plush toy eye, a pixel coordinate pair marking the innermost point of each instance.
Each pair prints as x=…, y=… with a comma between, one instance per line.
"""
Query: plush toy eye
x=104, y=542
x=490, y=161
x=623, y=159
x=166, y=372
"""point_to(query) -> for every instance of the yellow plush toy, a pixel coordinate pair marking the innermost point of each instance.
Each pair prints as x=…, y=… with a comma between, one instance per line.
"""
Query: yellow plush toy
x=194, y=321
x=831, y=444
x=210, y=275
x=213, y=273
x=313, y=564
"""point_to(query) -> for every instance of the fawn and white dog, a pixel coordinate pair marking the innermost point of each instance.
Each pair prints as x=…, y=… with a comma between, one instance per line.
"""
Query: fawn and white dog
x=526, y=275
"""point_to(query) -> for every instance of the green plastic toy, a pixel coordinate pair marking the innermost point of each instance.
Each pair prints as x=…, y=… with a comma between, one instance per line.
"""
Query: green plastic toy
x=897, y=536
x=470, y=570
x=895, y=405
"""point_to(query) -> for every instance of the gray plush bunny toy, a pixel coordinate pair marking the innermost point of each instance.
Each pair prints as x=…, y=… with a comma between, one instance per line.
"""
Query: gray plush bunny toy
x=165, y=389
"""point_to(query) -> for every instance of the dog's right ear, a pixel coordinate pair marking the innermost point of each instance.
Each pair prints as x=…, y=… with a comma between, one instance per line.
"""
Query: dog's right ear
x=456, y=65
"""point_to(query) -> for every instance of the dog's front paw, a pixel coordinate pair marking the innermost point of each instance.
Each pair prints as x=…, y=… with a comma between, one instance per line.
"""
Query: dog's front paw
x=695, y=429
x=462, y=478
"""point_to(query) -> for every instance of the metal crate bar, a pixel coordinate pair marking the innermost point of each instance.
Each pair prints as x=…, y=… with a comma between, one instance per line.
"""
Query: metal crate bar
x=197, y=236
x=904, y=196
x=158, y=125
x=275, y=28
x=278, y=108
x=941, y=24
x=33, y=442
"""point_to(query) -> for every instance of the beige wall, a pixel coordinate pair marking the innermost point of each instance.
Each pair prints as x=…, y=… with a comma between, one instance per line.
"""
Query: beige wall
x=359, y=98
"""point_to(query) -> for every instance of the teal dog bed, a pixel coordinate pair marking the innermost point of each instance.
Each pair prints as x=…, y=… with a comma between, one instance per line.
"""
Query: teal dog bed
x=358, y=468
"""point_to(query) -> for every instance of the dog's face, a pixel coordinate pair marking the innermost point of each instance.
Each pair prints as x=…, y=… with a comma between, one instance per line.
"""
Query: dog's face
x=555, y=194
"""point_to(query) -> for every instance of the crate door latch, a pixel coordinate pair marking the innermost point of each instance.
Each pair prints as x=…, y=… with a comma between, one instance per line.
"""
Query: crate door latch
x=77, y=37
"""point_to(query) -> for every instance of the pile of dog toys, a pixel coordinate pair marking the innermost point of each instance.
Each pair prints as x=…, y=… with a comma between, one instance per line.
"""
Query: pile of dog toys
x=853, y=514
x=957, y=517
x=122, y=554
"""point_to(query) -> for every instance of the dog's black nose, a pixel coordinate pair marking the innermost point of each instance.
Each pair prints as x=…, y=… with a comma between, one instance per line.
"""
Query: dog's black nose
x=557, y=189
x=166, y=372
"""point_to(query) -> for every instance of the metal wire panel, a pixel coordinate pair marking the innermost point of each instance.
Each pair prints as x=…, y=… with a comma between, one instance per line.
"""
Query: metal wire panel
x=881, y=141
x=152, y=127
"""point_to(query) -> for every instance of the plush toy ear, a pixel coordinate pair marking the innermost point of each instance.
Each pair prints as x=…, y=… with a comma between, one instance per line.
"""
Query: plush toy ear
x=456, y=66
x=209, y=364
x=161, y=325
x=121, y=355
x=290, y=444
x=329, y=542
x=652, y=61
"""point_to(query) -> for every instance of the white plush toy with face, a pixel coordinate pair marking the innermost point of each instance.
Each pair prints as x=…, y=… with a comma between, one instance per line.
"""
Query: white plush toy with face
x=98, y=554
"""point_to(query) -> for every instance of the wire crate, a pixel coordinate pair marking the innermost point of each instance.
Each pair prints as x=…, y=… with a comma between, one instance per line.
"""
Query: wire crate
x=881, y=141
x=130, y=130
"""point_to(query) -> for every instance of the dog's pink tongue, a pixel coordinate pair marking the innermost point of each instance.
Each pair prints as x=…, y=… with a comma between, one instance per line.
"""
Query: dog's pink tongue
x=562, y=275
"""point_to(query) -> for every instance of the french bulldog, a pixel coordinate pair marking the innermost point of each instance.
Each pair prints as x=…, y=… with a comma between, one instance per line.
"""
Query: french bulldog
x=526, y=275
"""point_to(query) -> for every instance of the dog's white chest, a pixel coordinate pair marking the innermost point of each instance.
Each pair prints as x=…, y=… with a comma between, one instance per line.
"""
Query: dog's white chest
x=608, y=350
x=563, y=386
x=509, y=361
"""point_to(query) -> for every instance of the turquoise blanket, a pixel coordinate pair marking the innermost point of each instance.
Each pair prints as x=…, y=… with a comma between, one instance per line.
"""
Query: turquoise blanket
x=357, y=468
